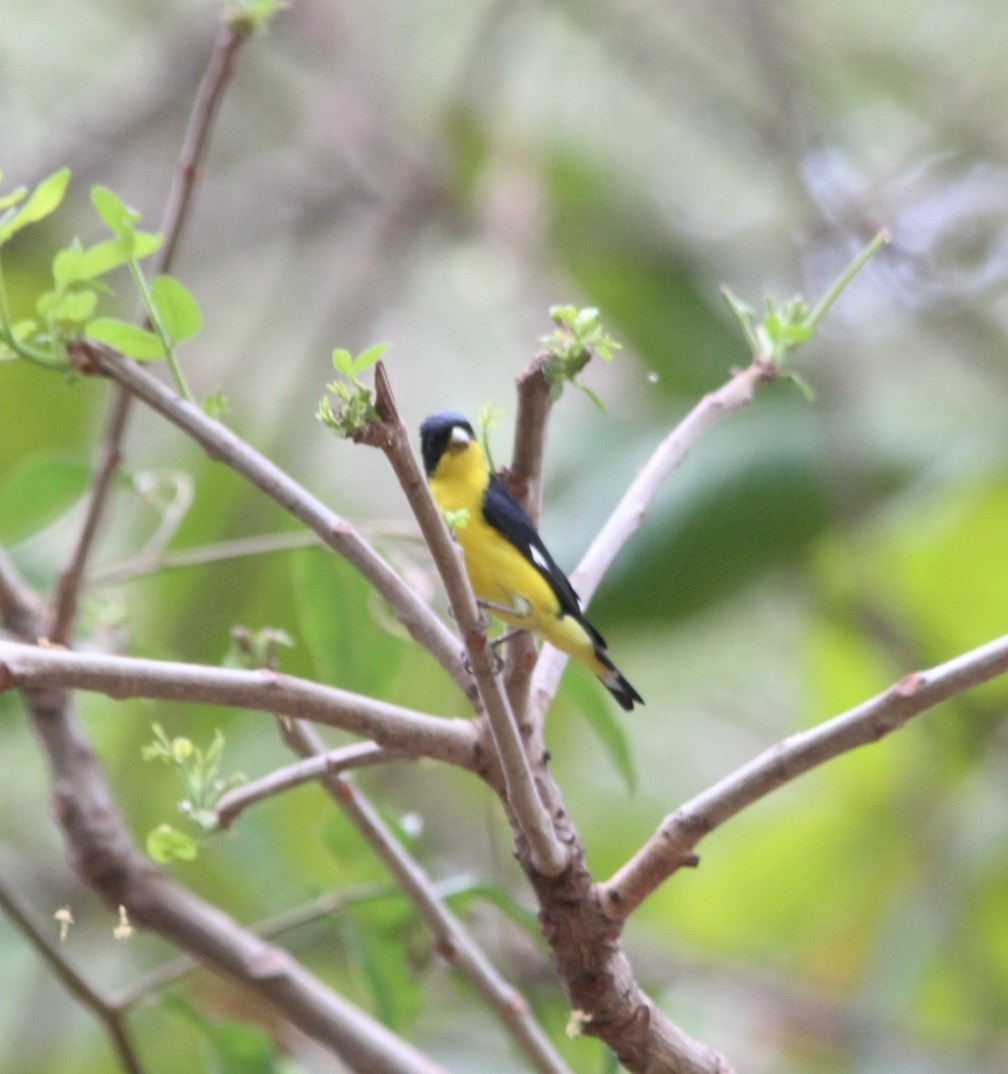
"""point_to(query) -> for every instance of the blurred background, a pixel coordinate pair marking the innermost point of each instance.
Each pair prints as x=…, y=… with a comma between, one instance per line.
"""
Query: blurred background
x=437, y=176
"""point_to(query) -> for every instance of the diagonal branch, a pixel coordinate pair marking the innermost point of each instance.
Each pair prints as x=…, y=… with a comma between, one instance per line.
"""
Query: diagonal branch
x=224, y=446
x=671, y=846
x=454, y=942
x=103, y=852
x=30, y=667
x=314, y=766
x=629, y=514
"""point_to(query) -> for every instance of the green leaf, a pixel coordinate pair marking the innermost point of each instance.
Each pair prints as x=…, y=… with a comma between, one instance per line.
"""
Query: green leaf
x=117, y=216
x=596, y=402
x=145, y=243
x=368, y=358
x=98, y=259
x=66, y=265
x=177, y=309
x=126, y=338
x=75, y=307
x=37, y=490
x=609, y=725
x=456, y=520
x=342, y=361
x=44, y=200
x=165, y=844
x=216, y=404
x=229, y=1047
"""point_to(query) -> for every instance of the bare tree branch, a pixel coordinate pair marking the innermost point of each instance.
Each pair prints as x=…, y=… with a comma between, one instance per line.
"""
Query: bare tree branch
x=108, y=1013
x=30, y=667
x=535, y=402
x=629, y=514
x=671, y=846
x=313, y=767
x=224, y=446
x=454, y=942
x=103, y=853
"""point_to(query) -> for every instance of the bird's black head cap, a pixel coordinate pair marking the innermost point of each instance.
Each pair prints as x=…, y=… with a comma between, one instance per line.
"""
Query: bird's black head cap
x=436, y=432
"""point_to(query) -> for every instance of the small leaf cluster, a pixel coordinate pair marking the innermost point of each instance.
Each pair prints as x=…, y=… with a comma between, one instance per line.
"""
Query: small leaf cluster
x=354, y=407
x=576, y=339
x=785, y=326
x=199, y=770
x=456, y=520
x=67, y=311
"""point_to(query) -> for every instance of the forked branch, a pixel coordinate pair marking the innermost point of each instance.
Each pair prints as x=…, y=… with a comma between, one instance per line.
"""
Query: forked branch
x=671, y=845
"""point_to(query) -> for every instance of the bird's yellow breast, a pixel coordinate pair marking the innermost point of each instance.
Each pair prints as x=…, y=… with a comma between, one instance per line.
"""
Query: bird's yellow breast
x=498, y=572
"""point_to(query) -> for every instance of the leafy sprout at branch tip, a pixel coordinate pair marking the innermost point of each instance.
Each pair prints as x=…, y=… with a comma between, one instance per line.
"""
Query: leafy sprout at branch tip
x=786, y=325
x=354, y=407
x=578, y=336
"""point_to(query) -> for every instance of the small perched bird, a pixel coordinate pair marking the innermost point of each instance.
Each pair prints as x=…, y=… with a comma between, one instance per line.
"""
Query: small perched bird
x=509, y=568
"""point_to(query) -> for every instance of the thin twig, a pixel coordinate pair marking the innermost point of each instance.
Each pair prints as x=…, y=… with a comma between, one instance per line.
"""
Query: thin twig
x=671, y=846
x=224, y=446
x=108, y=860
x=529, y=814
x=216, y=552
x=107, y=1013
x=172, y=971
x=451, y=740
x=629, y=514
x=237, y=548
x=193, y=151
x=454, y=942
x=173, y=221
x=316, y=766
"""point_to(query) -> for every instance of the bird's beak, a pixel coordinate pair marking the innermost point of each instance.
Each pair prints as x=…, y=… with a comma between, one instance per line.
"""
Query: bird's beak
x=459, y=439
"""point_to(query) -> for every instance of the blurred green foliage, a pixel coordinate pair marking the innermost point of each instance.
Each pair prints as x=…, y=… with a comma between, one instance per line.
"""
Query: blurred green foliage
x=439, y=175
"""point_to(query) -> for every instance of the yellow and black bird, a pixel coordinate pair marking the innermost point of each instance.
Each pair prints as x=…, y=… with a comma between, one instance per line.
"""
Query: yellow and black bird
x=509, y=568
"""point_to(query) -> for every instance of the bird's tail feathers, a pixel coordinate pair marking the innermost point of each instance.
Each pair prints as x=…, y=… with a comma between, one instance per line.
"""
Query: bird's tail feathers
x=613, y=680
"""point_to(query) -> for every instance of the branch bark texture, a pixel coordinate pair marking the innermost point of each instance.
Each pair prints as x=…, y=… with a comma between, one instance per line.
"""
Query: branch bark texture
x=671, y=846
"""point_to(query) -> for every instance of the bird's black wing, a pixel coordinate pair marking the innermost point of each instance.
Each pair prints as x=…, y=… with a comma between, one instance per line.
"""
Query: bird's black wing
x=506, y=515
